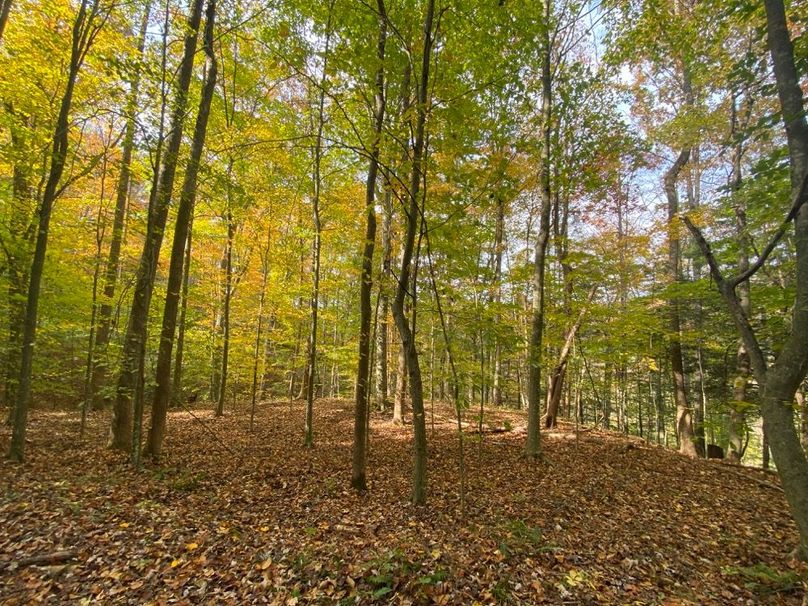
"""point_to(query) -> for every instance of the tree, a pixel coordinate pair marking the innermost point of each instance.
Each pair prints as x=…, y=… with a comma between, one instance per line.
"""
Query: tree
x=130, y=380
x=413, y=216
x=359, y=480
x=780, y=380
x=89, y=20
x=104, y=323
x=182, y=225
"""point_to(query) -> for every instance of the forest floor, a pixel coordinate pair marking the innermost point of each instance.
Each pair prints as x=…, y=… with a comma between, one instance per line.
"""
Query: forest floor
x=233, y=517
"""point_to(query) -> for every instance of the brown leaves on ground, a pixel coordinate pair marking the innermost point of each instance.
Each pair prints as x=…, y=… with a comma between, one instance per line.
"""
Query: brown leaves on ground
x=230, y=517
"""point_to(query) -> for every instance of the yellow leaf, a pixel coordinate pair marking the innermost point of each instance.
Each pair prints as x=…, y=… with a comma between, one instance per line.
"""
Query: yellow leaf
x=191, y=546
x=264, y=529
x=124, y=524
x=435, y=554
x=175, y=563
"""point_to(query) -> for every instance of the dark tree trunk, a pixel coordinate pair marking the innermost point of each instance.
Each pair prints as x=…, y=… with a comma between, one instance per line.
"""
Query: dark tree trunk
x=359, y=477
x=87, y=23
x=185, y=209
x=533, y=442
x=122, y=436
x=413, y=215
x=99, y=372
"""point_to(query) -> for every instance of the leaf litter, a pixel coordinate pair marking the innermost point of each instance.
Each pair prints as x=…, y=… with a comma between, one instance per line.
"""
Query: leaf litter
x=233, y=517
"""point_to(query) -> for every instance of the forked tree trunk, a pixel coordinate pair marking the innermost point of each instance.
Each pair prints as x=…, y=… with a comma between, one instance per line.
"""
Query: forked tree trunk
x=134, y=347
x=99, y=371
x=413, y=215
x=185, y=209
x=780, y=381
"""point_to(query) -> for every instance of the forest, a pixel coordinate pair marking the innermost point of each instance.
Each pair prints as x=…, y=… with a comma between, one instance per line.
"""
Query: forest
x=404, y=301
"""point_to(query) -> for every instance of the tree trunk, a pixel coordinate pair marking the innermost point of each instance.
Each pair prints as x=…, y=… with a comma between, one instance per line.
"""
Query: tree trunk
x=559, y=372
x=176, y=271
x=533, y=442
x=413, y=221
x=310, y=375
x=383, y=323
x=228, y=296
x=499, y=236
x=684, y=418
x=780, y=382
x=134, y=347
x=87, y=23
x=176, y=383
x=100, y=363
x=359, y=477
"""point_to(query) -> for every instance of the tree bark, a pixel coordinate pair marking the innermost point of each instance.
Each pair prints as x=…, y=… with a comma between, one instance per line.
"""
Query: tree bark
x=121, y=198
x=134, y=347
x=533, y=441
x=359, y=477
x=182, y=226
x=86, y=25
x=413, y=215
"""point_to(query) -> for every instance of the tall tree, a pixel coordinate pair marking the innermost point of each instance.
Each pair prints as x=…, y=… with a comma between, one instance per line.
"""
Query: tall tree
x=176, y=270
x=359, y=478
x=103, y=333
x=316, y=246
x=533, y=440
x=413, y=216
x=89, y=20
x=780, y=380
x=129, y=387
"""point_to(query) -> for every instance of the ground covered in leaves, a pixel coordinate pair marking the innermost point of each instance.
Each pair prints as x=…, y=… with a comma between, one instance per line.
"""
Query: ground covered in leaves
x=231, y=516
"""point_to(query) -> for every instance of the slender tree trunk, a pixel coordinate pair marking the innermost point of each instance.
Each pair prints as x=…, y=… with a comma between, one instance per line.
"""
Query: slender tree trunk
x=104, y=331
x=413, y=215
x=311, y=351
x=259, y=328
x=182, y=226
x=176, y=383
x=228, y=296
x=533, y=442
x=359, y=477
x=122, y=435
x=684, y=417
x=91, y=336
x=559, y=372
x=499, y=236
x=86, y=25
x=383, y=323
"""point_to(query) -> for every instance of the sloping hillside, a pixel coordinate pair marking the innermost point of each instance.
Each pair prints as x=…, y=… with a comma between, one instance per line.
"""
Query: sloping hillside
x=231, y=517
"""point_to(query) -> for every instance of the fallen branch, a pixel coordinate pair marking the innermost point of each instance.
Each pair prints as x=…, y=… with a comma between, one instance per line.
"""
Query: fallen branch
x=44, y=559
